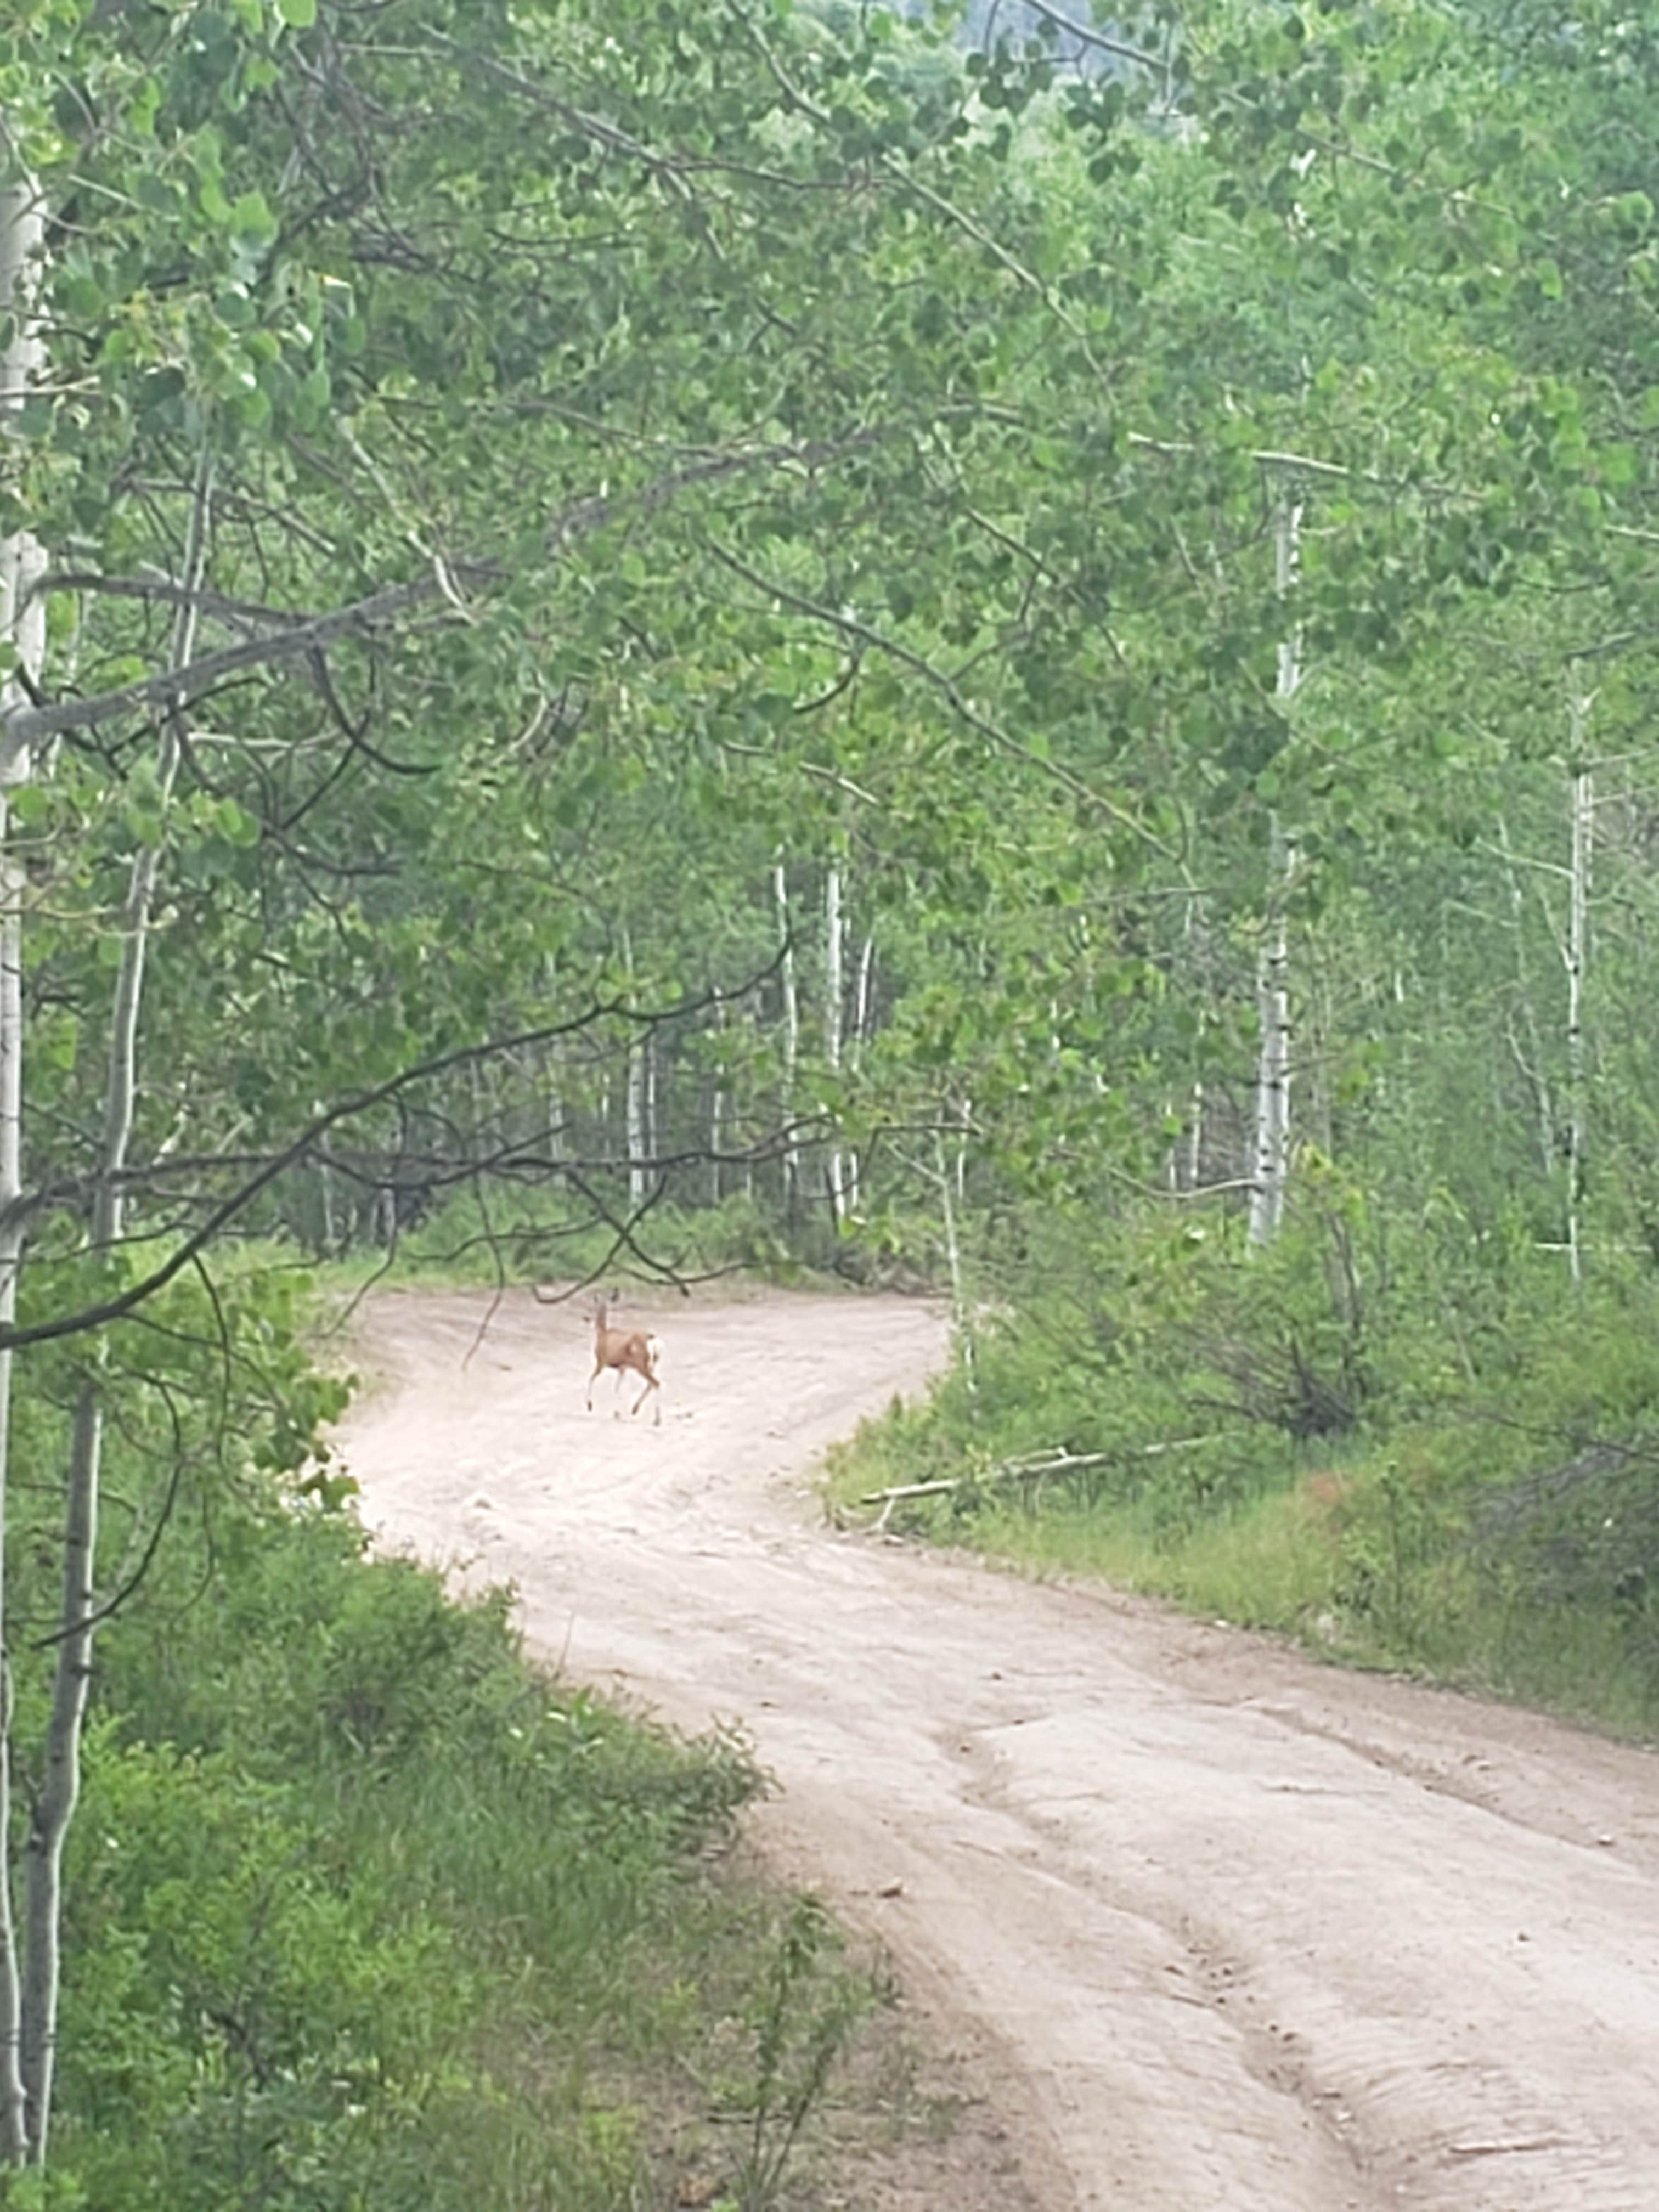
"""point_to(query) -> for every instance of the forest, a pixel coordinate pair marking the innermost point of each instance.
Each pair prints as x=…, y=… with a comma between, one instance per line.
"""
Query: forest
x=979, y=651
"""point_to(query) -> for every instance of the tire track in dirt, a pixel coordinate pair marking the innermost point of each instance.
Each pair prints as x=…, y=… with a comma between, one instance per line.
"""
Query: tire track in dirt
x=1234, y=1931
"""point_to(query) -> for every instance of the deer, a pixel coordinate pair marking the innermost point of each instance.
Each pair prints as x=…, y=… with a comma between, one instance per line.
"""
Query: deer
x=628, y=1351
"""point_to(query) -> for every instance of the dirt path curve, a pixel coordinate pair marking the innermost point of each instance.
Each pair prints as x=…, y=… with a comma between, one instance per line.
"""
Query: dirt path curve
x=1244, y=1934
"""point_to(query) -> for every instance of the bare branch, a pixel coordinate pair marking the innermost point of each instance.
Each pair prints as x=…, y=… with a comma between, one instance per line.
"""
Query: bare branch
x=161, y=591
x=109, y=1309
x=1091, y=37
x=175, y=686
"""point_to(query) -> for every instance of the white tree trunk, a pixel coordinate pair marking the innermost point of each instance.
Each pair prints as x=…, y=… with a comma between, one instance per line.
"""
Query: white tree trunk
x=1271, y=1148
x=1191, y=1162
x=716, y=1131
x=863, y=1014
x=638, y=1143
x=835, y=934
x=331, y=1223
x=863, y=1007
x=791, y=1032
x=635, y=1142
x=1583, y=790
x=1189, y=1172
x=719, y=1107
x=54, y=1807
x=946, y=1175
x=653, y=1146
x=22, y=627
x=553, y=1078
x=749, y=1018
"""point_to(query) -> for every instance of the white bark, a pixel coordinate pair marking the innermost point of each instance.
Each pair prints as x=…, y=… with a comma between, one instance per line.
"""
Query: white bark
x=553, y=1064
x=638, y=1144
x=634, y=1101
x=791, y=1030
x=22, y=627
x=1583, y=790
x=1191, y=1170
x=1190, y=1157
x=835, y=935
x=962, y=1318
x=717, y=1131
x=717, y=1107
x=553, y=1095
x=1271, y=1148
x=331, y=1224
x=863, y=1008
x=54, y=1807
x=863, y=1014
x=652, y=1092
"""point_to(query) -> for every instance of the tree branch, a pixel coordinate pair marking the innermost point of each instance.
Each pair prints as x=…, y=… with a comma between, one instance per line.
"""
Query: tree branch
x=27, y=725
x=288, y=1156
x=114, y=1309
x=175, y=686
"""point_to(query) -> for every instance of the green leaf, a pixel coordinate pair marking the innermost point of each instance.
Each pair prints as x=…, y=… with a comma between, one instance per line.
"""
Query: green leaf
x=28, y=803
x=235, y=824
x=298, y=15
x=252, y=216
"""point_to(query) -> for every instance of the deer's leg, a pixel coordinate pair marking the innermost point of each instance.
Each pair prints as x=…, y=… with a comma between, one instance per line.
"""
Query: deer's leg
x=598, y=1369
x=651, y=1384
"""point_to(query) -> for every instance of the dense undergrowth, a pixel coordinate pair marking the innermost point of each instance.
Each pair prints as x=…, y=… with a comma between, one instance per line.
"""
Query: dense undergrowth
x=363, y=1911
x=1448, y=1463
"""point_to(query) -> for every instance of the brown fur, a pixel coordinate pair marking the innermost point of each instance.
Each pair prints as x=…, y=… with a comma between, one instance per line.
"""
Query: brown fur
x=628, y=1351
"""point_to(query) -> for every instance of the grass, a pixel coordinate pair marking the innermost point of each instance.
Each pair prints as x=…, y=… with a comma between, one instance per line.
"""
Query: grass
x=366, y=1911
x=1506, y=1542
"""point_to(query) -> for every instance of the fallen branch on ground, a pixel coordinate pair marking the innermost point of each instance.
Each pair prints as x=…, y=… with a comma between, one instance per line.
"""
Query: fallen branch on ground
x=1028, y=1470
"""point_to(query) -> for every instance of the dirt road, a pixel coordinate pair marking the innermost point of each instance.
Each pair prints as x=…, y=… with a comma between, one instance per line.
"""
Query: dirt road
x=1236, y=1932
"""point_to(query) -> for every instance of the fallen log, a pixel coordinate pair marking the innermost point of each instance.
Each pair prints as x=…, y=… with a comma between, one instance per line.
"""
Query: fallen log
x=1027, y=1470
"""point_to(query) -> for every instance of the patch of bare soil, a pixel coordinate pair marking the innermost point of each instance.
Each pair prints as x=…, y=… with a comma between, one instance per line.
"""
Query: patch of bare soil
x=1204, y=1926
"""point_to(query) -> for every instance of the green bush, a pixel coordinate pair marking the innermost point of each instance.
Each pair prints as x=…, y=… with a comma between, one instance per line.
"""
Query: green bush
x=1410, y=1442
x=364, y=1911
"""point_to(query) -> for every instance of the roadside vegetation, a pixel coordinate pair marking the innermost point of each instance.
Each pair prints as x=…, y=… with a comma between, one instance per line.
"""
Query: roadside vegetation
x=364, y=1909
x=1442, y=1469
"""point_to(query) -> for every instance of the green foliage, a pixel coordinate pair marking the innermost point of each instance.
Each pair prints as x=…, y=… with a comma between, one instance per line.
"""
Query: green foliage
x=361, y=1904
x=800, y=2020
x=788, y=439
x=1486, y=1507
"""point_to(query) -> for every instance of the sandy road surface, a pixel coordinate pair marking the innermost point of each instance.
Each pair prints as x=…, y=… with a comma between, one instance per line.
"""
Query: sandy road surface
x=1241, y=1934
